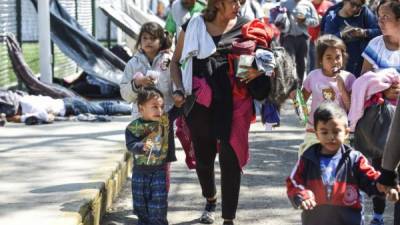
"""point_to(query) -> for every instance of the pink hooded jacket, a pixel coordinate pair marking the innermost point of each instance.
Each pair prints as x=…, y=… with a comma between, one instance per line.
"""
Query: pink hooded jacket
x=365, y=87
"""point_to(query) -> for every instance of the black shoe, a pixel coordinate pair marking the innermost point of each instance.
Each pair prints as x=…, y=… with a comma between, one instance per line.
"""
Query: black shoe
x=228, y=223
x=32, y=120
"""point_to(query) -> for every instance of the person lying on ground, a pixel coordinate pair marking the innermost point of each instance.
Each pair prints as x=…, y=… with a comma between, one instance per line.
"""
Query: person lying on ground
x=45, y=109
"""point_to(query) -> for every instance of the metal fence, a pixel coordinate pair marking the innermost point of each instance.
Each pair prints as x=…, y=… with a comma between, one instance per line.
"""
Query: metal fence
x=20, y=17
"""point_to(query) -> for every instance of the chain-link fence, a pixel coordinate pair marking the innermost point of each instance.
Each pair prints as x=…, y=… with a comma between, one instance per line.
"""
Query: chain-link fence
x=20, y=18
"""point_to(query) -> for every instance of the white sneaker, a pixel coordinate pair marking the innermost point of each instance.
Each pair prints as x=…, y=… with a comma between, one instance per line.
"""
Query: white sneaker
x=207, y=217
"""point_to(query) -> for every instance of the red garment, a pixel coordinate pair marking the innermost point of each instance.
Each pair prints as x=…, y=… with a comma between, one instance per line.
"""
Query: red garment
x=376, y=99
x=183, y=134
x=262, y=33
x=239, y=140
x=203, y=91
x=272, y=26
x=321, y=10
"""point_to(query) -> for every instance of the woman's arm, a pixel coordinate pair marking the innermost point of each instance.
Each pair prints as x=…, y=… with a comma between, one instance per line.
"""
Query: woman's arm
x=367, y=66
x=393, y=92
x=343, y=92
x=176, y=74
x=14, y=118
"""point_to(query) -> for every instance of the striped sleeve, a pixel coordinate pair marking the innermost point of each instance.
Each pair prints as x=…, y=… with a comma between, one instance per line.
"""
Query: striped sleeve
x=367, y=176
x=296, y=190
x=370, y=52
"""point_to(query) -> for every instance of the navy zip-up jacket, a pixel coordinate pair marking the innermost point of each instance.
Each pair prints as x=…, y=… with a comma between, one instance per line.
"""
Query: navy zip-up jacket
x=333, y=23
x=344, y=206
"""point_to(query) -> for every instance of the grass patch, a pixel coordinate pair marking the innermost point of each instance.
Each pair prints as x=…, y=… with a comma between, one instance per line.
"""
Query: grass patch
x=30, y=50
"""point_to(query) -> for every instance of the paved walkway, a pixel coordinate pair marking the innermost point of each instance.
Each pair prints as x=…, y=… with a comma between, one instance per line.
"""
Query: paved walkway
x=61, y=173
x=67, y=173
x=263, y=199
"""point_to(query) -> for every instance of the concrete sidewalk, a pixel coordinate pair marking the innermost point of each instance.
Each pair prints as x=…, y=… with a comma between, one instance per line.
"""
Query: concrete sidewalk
x=65, y=173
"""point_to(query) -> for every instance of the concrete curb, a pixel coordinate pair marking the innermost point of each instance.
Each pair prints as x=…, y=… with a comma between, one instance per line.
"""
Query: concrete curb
x=92, y=212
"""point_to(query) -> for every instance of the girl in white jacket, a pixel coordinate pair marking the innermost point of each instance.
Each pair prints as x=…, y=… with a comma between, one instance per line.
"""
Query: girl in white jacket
x=149, y=66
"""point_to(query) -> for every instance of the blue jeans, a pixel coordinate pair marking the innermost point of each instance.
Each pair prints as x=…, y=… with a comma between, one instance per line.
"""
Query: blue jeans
x=75, y=106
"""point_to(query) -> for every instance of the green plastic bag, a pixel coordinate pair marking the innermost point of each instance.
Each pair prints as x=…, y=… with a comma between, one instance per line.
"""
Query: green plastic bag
x=300, y=107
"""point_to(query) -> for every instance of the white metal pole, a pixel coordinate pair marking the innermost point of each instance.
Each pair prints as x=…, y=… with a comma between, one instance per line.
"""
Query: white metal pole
x=44, y=41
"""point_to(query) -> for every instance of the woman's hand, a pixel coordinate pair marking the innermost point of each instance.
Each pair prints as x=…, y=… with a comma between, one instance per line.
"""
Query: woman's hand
x=250, y=75
x=392, y=193
x=393, y=92
x=358, y=33
x=308, y=204
x=292, y=95
x=145, y=81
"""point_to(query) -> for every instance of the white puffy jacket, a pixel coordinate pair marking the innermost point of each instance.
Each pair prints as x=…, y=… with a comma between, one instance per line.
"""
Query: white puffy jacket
x=140, y=63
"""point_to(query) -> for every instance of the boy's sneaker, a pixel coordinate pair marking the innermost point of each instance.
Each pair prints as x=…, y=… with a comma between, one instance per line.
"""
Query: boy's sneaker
x=208, y=214
x=376, y=221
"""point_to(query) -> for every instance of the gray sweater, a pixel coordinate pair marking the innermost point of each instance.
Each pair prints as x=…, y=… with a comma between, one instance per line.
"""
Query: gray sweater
x=304, y=7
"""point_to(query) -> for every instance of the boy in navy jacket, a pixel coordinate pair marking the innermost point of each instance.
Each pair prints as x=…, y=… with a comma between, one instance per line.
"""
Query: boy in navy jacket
x=327, y=180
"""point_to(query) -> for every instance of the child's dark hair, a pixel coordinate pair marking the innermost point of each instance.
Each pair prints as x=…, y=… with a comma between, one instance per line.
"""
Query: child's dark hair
x=327, y=111
x=329, y=41
x=156, y=31
x=146, y=94
x=362, y=1
x=394, y=5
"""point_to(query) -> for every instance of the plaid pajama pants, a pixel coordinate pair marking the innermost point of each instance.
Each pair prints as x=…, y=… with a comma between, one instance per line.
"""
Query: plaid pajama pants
x=149, y=192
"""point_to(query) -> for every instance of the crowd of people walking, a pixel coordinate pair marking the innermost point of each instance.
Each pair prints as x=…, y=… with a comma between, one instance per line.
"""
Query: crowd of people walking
x=208, y=71
x=347, y=62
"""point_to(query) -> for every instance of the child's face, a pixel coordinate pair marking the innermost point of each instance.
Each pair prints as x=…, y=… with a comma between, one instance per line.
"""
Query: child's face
x=149, y=44
x=331, y=59
x=153, y=109
x=387, y=21
x=331, y=135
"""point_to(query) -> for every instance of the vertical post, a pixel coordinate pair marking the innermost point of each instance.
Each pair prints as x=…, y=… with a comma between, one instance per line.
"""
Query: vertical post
x=108, y=33
x=44, y=41
x=94, y=5
x=76, y=10
x=120, y=34
x=19, y=30
x=19, y=22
